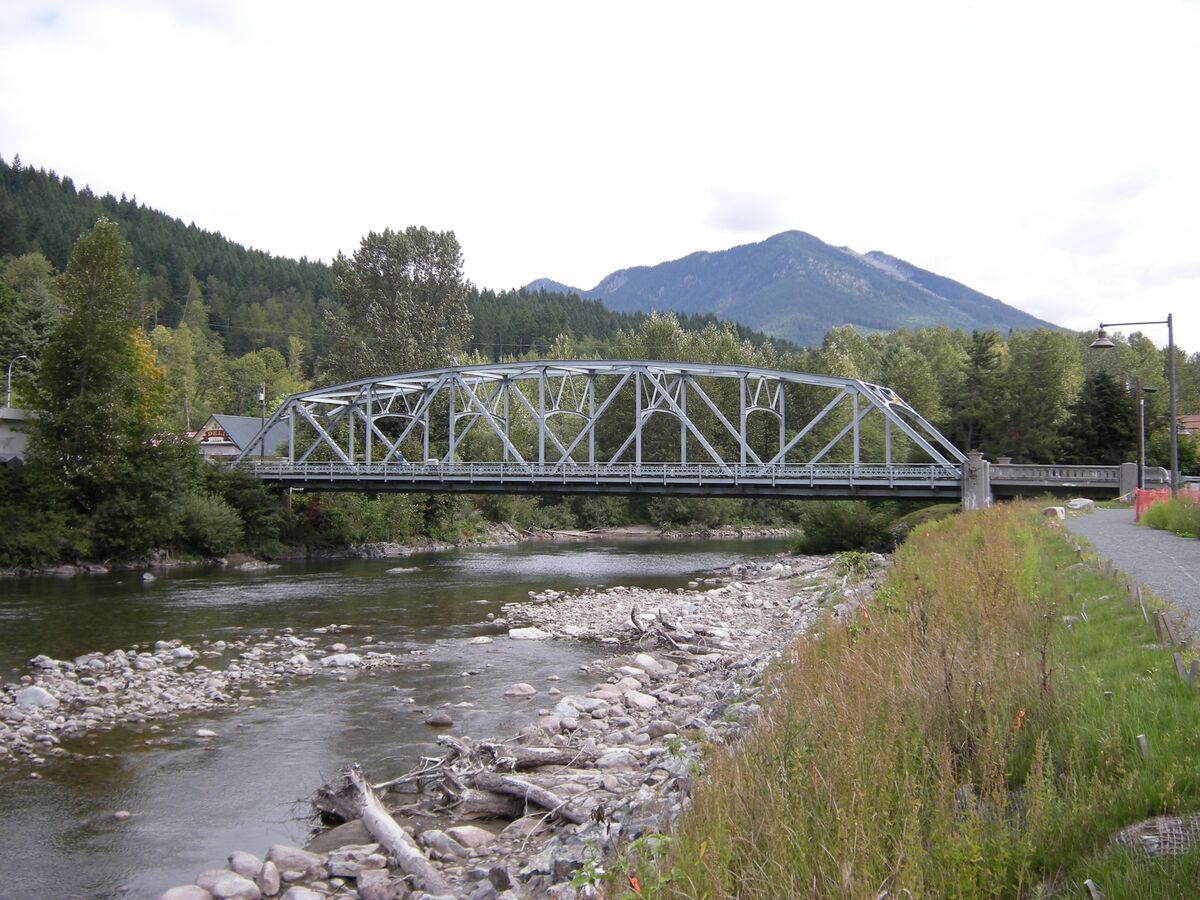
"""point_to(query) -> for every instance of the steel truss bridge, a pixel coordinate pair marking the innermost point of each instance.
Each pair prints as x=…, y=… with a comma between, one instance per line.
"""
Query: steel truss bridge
x=619, y=427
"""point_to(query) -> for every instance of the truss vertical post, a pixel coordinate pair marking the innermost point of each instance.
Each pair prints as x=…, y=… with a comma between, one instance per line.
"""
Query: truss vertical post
x=291, y=434
x=425, y=413
x=370, y=421
x=782, y=415
x=542, y=417
x=350, y=429
x=857, y=440
x=450, y=425
x=683, y=385
x=742, y=414
x=505, y=391
x=637, y=419
x=887, y=441
x=591, y=391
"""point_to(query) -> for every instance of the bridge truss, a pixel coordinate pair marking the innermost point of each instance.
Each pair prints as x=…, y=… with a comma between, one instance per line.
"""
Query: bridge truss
x=609, y=426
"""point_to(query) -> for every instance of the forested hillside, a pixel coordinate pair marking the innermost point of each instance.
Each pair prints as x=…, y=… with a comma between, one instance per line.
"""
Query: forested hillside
x=254, y=300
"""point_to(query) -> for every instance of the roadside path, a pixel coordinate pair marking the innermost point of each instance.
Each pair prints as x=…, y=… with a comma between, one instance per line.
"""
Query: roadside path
x=1167, y=564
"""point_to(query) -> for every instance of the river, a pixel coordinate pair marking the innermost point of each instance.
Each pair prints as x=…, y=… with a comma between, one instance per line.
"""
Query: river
x=194, y=801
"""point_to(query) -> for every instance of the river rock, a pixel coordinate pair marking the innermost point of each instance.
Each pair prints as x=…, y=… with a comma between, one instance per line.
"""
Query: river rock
x=617, y=759
x=342, y=661
x=1054, y=512
x=647, y=664
x=289, y=858
x=183, y=653
x=376, y=884
x=35, y=697
x=301, y=893
x=638, y=700
x=529, y=634
x=267, y=879
x=185, y=892
x=471, y=836
x=245, y=864
x=226, y=885
x=439, y=720
x=205, y=733
x=482, y=639
x=1081, y=503
x=520, y=690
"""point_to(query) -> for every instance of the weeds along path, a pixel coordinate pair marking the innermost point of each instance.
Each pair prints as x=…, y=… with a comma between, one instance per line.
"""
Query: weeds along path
x=997, y=721
x=1167, y=564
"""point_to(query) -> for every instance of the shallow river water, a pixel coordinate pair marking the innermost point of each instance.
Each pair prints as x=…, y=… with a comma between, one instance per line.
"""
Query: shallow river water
x=194, y=801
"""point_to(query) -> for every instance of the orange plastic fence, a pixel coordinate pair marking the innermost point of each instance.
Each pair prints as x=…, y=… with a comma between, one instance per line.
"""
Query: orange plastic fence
x=1143, y=500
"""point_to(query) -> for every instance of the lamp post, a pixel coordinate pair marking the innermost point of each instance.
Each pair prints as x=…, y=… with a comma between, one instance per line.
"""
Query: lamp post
x=1102, y=342
x=1142, y=392
x=8, y=379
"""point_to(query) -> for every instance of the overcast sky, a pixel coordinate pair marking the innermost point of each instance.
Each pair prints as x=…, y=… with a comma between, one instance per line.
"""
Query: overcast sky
x=1045, y=153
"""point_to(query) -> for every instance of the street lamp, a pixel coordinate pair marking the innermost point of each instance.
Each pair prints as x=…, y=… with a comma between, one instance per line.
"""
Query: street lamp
x=8, y=379
x=1102, y=342
x=1143, y=390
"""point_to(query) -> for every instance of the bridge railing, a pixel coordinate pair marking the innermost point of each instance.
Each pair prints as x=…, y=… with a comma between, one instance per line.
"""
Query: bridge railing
x=1034, y=474
x=675, y=473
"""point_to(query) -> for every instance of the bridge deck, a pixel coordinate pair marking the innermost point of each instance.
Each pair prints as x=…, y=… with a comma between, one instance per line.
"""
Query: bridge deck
x=882, y=481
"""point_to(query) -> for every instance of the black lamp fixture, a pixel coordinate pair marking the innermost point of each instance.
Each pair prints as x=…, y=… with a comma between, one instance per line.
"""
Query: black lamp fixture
x=1102, y=342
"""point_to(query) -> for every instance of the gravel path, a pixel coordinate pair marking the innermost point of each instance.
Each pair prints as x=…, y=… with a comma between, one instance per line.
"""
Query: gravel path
x=1167, y=564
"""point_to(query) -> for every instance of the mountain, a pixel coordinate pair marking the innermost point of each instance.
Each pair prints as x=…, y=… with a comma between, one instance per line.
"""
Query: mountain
x=797, y=287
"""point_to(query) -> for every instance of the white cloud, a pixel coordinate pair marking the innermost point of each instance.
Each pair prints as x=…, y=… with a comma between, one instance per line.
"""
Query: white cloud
x=1041, y=153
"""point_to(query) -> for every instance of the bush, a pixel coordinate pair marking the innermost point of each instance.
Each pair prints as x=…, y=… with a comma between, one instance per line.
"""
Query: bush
x=210, y=526
x=830, y=526
x=1177, y=515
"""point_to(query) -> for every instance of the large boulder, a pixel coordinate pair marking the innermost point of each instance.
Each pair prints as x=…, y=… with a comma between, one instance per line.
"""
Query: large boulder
x=36, y=697
x=520, y=690
x=529, y=634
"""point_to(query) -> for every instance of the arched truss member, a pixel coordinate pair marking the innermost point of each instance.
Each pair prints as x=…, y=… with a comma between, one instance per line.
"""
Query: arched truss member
x=576, y=419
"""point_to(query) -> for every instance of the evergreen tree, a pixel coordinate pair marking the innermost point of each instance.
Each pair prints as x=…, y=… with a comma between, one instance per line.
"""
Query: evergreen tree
x=974, y=413
x=1102, y=429
x=97, y=385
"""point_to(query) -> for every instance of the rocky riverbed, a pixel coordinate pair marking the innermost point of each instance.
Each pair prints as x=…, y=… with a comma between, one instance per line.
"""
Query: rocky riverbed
x=60, y=700
x=525, y=817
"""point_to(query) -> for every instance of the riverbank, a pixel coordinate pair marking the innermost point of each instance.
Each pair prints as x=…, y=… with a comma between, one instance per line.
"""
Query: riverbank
x=593, y=770
x=1001, y=720
x=491, y=535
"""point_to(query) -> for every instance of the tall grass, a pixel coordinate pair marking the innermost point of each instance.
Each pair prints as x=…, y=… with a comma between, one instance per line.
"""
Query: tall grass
x=1179, y=514
x=955, y=740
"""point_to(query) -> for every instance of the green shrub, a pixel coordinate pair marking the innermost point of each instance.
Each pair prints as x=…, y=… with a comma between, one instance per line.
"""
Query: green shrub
x=210, y=526
x=830, y=526
x=1177, y=515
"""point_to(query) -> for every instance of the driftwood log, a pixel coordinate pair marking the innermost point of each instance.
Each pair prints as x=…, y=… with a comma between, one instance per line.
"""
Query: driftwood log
x=409, y=857
x=513, y=758
x=529, y=792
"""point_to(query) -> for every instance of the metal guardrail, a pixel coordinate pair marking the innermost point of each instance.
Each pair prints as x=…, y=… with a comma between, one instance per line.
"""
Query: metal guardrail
x=491, y=474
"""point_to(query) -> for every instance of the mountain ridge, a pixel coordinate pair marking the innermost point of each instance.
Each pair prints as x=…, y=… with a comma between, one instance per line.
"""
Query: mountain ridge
x=793, y=285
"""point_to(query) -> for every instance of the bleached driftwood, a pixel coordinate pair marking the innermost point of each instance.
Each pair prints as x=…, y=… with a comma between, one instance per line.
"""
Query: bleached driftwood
x=528, y=791
x=408, y=856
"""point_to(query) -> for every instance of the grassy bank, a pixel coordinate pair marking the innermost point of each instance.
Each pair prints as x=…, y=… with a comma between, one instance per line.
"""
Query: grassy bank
x=961, y=738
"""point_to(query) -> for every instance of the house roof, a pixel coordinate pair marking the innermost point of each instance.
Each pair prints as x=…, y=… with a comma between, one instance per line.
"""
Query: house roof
x=242, y=430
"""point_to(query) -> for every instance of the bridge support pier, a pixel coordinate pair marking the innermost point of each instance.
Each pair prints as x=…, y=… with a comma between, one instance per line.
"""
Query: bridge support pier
x=1128, y=479
x=976, y=483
